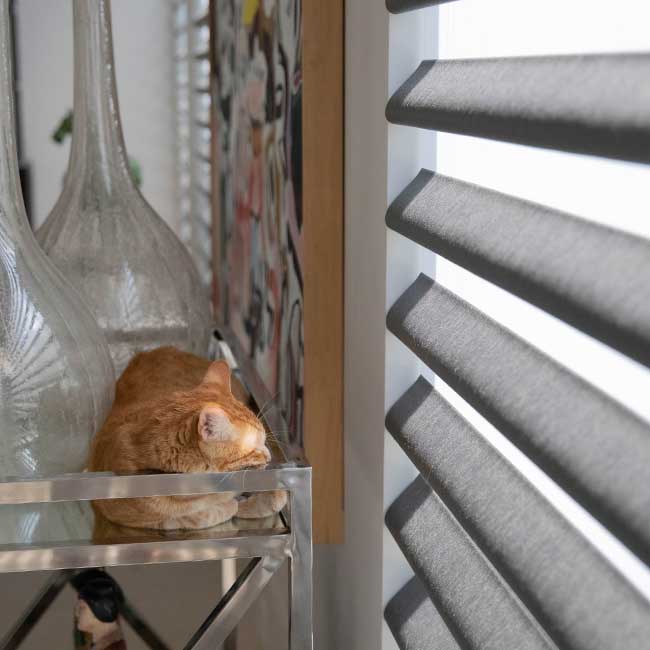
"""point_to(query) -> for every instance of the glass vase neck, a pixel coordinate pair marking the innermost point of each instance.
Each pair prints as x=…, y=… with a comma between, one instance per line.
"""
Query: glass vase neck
x=98, y=154
x=13, y=219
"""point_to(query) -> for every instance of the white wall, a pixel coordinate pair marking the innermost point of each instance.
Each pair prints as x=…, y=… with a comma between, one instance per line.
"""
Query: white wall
x=347, y=578
x=412, y=38
x=354, y=581
x=142, y=43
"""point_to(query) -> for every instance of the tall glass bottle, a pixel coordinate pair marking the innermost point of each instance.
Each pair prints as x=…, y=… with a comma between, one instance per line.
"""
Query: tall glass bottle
x=103, y=235
x=56, y=375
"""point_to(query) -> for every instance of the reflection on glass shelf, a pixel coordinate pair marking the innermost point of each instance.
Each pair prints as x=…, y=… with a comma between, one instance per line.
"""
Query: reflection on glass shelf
x=43, y=522
x=76, y=523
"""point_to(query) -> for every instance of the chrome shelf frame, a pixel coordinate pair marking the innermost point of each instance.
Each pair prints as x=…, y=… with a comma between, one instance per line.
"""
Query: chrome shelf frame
x=288, y=539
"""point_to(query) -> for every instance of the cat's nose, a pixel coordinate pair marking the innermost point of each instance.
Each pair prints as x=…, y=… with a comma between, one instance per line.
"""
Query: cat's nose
x=261, y=437
x=254, y=439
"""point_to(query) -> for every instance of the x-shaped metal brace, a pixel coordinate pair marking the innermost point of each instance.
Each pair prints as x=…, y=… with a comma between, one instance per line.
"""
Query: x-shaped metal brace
x=221, y=621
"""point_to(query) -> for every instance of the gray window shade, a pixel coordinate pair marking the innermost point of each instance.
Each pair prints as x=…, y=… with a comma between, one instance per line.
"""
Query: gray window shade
x=476, y=603
x=595, y=104
x=575, y=594
x=496, y=565
x=590, y=444
x=399, y=6
x=544, y=256
x=415, y=622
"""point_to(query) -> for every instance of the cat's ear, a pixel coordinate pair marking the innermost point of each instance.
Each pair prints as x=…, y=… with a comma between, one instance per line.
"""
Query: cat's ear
x=218, y=373
x=215, y=425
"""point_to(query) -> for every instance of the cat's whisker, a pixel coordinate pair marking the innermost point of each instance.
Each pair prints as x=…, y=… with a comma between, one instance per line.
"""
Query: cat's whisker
x=261, y=409
x=274, y=433
x=285, y=447
x=268, y=403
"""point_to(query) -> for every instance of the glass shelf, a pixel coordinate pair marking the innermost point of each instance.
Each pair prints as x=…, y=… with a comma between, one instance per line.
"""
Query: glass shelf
x=49, y=522
x=76, y=523
x=66, y=535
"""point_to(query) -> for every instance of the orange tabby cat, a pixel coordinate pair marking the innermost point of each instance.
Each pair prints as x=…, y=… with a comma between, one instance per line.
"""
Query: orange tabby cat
x=175, y=412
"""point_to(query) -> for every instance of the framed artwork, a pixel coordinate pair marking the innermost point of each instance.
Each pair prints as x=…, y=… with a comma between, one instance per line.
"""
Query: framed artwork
x=278, y=216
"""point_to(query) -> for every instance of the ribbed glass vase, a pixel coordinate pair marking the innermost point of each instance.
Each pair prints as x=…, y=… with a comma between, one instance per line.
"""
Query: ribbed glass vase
x=56, y=376
x=137, y=276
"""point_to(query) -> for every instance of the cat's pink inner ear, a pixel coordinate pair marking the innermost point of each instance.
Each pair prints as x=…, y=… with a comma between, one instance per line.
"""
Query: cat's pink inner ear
x=218, y=373
x=215, y=425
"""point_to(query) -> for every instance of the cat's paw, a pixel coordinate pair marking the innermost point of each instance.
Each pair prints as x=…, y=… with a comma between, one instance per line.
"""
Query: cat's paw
x=213, y=516
x=262, y=504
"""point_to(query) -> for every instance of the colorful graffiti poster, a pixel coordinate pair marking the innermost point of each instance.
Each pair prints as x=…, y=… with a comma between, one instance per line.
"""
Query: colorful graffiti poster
x=257, y=53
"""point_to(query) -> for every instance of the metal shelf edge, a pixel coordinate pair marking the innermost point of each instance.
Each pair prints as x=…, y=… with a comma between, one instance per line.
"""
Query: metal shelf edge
x=89, y=486
x=57, y=557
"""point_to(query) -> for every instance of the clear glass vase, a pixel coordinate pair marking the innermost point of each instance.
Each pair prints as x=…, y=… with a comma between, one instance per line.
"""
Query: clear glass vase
x=137, y=276
x=56, y=376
